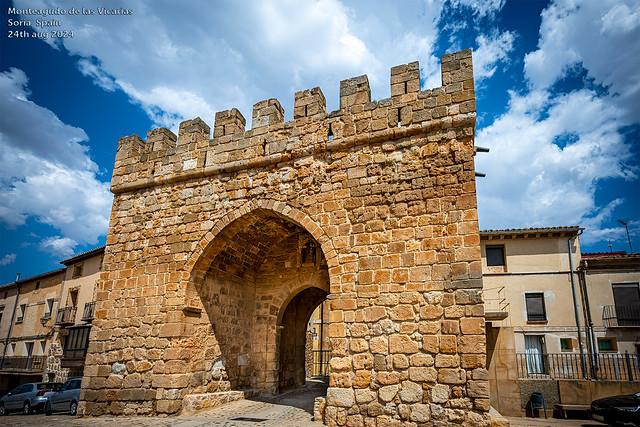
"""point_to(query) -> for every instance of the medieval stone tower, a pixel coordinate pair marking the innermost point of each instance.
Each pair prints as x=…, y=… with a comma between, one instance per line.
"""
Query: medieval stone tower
x=219, y=248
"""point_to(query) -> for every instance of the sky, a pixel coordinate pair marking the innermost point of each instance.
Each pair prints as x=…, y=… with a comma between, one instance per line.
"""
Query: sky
x=557, y=86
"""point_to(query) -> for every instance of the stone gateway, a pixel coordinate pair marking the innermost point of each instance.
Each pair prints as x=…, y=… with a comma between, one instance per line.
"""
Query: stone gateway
x=219, y=249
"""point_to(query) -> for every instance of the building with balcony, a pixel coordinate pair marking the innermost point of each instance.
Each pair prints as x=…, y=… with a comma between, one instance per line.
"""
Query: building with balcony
x=45, y=322
x=76, y=310
x=27, y=317
x=556, y=317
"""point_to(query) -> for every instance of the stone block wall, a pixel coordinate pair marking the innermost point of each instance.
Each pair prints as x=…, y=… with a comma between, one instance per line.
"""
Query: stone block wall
x=386, y=189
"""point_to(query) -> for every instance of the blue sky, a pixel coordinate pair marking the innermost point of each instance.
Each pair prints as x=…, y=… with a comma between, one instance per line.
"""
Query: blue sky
x=557, y=87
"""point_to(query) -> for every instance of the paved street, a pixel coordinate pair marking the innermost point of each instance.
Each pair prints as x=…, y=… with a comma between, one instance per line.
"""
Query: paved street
x=294, y=408
x=551, y=422
x=289, y=409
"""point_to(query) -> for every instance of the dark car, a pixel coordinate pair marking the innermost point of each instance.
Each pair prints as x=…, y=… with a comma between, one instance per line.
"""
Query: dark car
x=26, y=398
x=65, y=398
x=618, y=410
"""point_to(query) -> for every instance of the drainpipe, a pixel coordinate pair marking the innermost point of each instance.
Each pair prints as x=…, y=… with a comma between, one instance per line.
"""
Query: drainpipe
x=13, y=318
x=582, y=282
x=575, y=310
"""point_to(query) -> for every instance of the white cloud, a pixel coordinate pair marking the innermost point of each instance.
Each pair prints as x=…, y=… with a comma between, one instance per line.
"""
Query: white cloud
x=491, y=51
x=602, y=36
x=550, y=151
x=47, y=173
x=184, y=59
x=7, y=259
x=481, y=8
x=59, y=246
x=533, y=178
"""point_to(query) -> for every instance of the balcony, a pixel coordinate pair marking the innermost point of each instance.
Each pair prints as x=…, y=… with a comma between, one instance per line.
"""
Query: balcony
x=601, y=366
x=66, y=316
x=496, y=306
x=87, y=314
x=616, y=316
x=22, y=364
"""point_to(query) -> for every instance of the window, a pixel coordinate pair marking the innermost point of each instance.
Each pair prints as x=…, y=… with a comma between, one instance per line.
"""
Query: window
x=1, y=312
x=43, y=347
x=77, y=271
x=76, y=343
x=47, y=314
x=38, y=284
x=607, y=344
x=534, y=350
x=566, y=344
x=535, y=307
x=73, y=298
x=21, y=312
x=626, y=297
x=73, y=385
x=495, y=255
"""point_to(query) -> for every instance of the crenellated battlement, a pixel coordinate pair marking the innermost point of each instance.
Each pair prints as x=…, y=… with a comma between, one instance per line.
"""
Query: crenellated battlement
x=165, y=157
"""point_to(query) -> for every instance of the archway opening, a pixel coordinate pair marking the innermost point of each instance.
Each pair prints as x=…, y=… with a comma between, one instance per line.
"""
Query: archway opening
x=263, y=274
x=293, y=370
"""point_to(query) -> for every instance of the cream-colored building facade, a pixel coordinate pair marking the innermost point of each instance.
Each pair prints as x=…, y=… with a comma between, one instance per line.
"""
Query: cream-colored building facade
x=45, y=322
x=28, y=310
x=551, y=313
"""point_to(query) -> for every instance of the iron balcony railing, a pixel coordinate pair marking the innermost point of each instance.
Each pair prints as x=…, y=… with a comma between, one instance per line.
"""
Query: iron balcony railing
x=89, y=309
x=620, y=315
x=320, y=367
x=605, y=366
x=23, y=363
x=66, y=316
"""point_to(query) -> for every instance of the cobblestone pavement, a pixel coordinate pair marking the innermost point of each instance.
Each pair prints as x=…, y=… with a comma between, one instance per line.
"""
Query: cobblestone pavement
x=289, y=409
x=551, y=422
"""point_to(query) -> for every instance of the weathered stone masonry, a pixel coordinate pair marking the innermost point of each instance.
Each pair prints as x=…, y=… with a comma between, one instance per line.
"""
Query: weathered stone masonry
x=216, y=246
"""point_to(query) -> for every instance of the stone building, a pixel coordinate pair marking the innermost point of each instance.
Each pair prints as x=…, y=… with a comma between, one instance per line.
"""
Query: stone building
x=219, y=249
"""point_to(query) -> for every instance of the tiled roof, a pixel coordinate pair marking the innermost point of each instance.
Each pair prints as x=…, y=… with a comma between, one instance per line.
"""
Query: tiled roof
x=83, y=255
x=591, y=255
x=37, y=276
x=573, y=229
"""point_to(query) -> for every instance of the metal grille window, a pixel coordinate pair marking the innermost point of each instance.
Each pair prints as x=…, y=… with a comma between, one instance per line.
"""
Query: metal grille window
x=535, y=307
x=495, y=255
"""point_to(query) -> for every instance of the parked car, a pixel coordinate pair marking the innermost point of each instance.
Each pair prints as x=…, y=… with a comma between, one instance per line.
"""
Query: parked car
x=617, y=410
x=65, y=398
x=26, y=398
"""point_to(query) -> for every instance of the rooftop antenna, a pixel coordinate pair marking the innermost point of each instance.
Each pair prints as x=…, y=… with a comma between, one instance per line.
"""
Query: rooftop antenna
x=610, y=246
x=626, y=227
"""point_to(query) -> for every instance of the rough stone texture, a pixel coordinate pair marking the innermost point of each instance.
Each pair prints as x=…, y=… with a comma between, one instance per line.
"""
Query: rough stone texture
x=197, y=402
x=213, y=243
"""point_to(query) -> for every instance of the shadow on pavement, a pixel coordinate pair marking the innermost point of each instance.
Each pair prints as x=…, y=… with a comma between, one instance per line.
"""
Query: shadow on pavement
x=300, y=397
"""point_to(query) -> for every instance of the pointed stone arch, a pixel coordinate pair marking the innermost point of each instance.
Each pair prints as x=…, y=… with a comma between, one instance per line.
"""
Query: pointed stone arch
x=196, y=265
